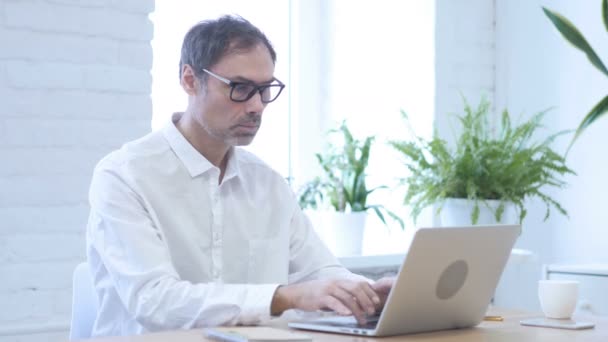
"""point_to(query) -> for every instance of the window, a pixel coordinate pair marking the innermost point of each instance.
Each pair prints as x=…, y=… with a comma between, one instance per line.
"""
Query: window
x=378, y=58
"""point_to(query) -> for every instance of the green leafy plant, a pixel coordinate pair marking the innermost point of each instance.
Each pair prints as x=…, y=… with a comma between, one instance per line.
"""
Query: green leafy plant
x=342, y=185
x=576, y=38
x=507, y=166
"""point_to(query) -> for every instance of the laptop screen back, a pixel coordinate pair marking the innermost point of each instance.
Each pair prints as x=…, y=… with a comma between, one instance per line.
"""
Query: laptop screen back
x=446, y=280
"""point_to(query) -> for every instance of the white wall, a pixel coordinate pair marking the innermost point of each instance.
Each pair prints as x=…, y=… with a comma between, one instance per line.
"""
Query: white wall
x=465, y=58
x=74, y=85
x=536, y=69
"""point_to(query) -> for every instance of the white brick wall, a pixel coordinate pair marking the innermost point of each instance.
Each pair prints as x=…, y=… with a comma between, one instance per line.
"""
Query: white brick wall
x=74, y=84
x=465, y=57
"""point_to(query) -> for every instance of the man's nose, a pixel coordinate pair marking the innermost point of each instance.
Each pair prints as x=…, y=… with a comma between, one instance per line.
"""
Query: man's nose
x=255, y=104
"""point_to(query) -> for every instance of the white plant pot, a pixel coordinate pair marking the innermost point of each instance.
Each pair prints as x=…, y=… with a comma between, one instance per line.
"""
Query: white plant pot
x=457, y=212
x=341, y=232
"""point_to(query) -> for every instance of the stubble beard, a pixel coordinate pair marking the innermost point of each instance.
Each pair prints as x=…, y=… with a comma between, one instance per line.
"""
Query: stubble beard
x=236, y=138
x=239, y=139
x=232, y=136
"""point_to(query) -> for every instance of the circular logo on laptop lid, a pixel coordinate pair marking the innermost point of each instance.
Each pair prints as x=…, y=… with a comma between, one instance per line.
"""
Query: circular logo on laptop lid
x=452, y=279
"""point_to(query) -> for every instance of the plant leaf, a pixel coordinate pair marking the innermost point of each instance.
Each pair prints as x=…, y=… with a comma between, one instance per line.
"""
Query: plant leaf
x=597, y=111
x=574, y=36
x=605, y=13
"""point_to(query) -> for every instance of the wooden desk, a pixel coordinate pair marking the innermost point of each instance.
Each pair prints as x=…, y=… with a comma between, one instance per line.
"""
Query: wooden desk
x=507, y=330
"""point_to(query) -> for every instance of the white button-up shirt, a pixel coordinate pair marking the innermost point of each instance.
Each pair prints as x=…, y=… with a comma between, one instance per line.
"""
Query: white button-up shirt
x=170, y=248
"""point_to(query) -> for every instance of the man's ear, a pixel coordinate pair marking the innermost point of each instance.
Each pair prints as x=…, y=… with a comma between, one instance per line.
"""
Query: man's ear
x=189, y=81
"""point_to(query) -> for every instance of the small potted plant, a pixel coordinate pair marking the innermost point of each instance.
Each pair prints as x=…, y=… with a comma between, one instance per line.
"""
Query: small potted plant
x=341, y=192
x=488, y=171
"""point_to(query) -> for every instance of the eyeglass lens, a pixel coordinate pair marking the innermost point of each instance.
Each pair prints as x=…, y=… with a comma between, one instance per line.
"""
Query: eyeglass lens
x=244, y=91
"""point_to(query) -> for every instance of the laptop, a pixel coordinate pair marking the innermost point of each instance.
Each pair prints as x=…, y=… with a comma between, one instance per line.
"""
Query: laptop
x=446, y=281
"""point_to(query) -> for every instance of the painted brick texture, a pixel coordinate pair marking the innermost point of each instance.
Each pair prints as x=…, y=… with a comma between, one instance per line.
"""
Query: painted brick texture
x=465, y=57
x=74, y=84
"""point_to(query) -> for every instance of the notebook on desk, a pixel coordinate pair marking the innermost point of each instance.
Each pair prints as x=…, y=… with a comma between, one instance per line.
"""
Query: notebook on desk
x=446, y=281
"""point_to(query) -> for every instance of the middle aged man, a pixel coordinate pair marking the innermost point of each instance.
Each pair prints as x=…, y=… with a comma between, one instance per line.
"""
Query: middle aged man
x=188, y=230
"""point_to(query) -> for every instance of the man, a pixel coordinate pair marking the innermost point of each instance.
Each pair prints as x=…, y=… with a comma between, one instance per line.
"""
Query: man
x=187, y=230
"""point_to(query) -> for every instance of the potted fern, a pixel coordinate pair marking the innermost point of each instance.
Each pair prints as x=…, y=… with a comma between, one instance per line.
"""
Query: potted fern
x=340, y=194
x=487, y=173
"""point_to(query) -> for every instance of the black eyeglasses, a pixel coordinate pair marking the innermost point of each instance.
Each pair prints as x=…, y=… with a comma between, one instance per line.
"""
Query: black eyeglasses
x=243, y=91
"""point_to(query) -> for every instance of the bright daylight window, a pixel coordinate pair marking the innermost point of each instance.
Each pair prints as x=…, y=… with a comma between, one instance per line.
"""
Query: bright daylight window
x=378, y=59
x=382, y=61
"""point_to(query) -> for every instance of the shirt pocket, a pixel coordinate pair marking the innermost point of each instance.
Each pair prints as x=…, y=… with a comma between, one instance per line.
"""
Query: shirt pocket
x=268, y=261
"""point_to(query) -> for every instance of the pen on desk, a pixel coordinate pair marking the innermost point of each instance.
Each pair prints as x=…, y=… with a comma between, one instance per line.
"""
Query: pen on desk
x=493, y=318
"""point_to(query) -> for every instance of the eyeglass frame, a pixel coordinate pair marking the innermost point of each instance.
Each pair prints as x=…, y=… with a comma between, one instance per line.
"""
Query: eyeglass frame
x=257, y=88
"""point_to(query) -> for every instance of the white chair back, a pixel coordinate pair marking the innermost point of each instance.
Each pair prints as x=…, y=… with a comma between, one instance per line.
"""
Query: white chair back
x=84, y=303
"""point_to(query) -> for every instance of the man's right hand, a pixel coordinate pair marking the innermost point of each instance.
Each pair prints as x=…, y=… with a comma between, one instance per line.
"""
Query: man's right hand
x=345, y=297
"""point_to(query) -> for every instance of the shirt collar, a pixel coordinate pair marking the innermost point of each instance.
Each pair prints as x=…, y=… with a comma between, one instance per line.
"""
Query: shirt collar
x=232, y=168
x=195, y=162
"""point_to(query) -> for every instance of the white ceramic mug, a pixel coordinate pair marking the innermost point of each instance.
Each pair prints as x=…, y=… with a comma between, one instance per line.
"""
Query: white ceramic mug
x=558, y=297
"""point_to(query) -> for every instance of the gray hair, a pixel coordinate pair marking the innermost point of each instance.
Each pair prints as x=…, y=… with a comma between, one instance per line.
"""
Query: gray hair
x=210, y=40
